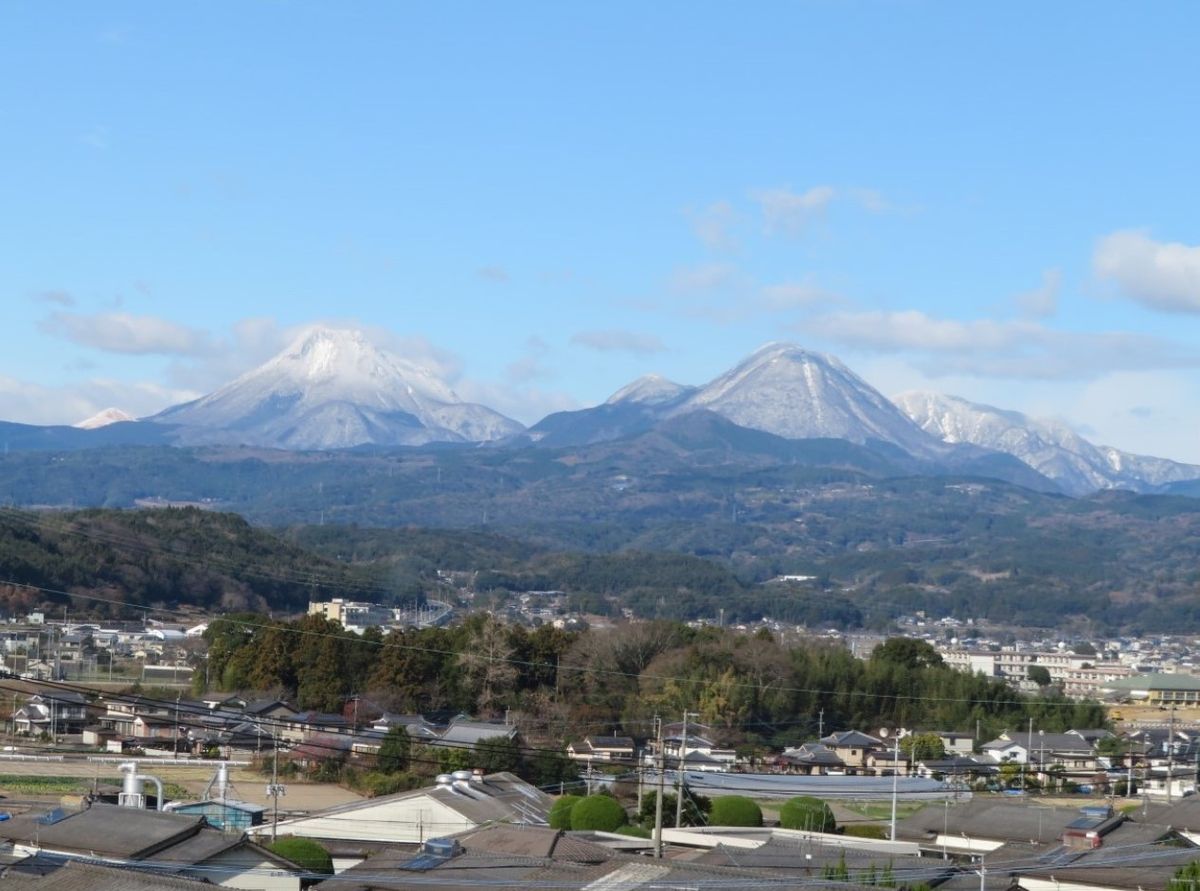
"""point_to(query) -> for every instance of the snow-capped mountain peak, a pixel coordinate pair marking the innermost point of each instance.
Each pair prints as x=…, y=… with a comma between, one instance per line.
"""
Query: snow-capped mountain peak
x=104, y=418
x=796, y=393
x=1050, y=447
x=334, y=388
x=650, y=389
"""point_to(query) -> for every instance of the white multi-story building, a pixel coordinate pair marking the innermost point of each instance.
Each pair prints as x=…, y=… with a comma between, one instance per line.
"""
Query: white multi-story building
x=1080, y=676
x=353, y=616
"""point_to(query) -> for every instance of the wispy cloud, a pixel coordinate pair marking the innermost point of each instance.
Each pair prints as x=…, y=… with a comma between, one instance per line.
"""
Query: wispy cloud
x=1160, y=275
x=120, y=332
x=530, y=364
x=619, y=340
x=98, y=137
x=1042, y=301
x=496, y=274
x=795, y=295
x=1010, y=348
x=60, y=298
x=705, y=277
x=788, y=212
x=713, y=225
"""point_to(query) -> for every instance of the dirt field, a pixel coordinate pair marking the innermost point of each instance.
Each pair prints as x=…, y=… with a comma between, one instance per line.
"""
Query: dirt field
x=247, y=785
x=1130, y=716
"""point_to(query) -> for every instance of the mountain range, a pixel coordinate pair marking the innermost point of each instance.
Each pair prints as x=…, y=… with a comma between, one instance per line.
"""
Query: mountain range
x=334, y=389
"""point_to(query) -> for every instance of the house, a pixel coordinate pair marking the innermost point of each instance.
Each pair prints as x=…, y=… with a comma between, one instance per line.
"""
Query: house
x=1170, y=783
x=466, y=733
x=811, y=759
x=982, y=825
x=42, y=873
x=1039, y=748
x=298, y=727
x=955, y=742
x=60, y=712
x=698, y=741
x=602, y=748
x=268, y=709
x=458, y=802
x=417, y=726
x=512, y=858
x=155, y=840
x=853, y=747
x=958, y=769
x=888, y=762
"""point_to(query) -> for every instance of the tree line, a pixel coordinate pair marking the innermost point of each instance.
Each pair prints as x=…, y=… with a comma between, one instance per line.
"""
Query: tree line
x=755, y=690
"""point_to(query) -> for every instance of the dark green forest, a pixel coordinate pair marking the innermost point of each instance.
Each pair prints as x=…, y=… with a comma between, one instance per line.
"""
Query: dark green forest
x=1110, y=563
x=754, y=689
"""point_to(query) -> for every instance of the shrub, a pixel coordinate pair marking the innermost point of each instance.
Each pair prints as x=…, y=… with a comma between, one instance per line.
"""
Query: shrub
x=600, y=812
x=304, y=852
x=560, y=813
x=806, y=812
x=635, y=831
x=735, y=810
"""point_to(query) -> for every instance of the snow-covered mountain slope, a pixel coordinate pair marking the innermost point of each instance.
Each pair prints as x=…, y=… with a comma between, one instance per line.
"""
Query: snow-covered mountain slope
x=798, y=394
x=1049, y=447
x=104, y=418
x=331, y=388
x=651, y=389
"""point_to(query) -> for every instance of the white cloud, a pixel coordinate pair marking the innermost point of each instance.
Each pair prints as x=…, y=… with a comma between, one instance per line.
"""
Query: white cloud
x=788, y=212
x=529, y=366
x=1016, y=348
x=870, y=199
x=120, y=332
x=891, y=331
x=795, y=295
x=619, y=340
x=713, y=225
x=1161, y=275
x=526, y=404
x=705, y=277
x=26, y=402
x=1042, y=301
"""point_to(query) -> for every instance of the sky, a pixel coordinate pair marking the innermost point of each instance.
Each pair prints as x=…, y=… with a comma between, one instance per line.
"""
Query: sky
x=544, y=200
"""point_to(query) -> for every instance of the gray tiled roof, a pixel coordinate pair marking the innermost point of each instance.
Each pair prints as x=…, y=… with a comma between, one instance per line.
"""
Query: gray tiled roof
x=78, y=876
x=106, y=829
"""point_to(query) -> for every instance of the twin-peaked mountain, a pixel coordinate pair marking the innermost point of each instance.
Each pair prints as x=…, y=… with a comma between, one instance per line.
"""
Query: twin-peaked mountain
x=781, y=389
x=334, y=389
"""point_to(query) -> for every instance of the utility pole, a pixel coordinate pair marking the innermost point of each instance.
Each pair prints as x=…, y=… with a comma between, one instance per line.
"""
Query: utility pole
x=658, y=805
x=895, y=780
x=679, y=770
x=1028, y=754
x=1170, y=754
x=275, y=790
x=821, y=724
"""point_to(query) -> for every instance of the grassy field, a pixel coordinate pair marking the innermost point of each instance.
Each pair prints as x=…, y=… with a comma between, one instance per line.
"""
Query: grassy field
x=65, y=785
x=882, y=810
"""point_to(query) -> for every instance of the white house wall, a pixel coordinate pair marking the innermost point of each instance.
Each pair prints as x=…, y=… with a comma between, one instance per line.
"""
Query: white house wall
x=248, y=870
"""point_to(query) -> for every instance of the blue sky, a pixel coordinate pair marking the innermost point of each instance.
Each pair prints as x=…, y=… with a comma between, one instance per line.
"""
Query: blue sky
x=545, y=201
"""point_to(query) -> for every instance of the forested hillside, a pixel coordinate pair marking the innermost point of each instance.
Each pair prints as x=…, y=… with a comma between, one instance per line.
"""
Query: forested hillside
x=872, y=549
x=167, y=557
x=559, y=685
